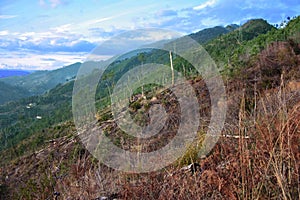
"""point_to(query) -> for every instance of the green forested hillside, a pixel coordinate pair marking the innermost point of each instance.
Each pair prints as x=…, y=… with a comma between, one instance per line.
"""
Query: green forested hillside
x=11, y=93
x=228, y=50
x=208, y=34
x=41, y=81
x=239, y=49
x=21, y=119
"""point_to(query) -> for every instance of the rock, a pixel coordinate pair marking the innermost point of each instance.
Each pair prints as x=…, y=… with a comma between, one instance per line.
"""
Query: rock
x=110, y=197
x=194, y=167
x=154, y=100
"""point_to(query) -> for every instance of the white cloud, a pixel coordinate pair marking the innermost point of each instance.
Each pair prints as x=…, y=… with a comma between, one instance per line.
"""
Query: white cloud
x=154, y=35
x=62, y=29
x=3, y=33
x=104, y=22
x=95, y=57
x=209, y=3
x=52, y=3
x=33, y=61
x=55, y=3
x=211, y=21
x=8, y=16
x=96, y=21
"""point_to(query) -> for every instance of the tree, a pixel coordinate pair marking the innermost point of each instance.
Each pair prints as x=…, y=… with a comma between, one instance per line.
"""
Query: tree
x=172, y=68
x=141, y=58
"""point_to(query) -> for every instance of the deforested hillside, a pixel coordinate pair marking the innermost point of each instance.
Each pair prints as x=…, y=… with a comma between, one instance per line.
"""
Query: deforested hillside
x=256, y=157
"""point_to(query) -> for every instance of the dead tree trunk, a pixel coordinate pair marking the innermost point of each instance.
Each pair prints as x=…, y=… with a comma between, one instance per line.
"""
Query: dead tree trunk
x=172, y=68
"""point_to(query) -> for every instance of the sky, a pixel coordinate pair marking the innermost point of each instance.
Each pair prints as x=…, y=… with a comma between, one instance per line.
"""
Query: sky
x=48, y=34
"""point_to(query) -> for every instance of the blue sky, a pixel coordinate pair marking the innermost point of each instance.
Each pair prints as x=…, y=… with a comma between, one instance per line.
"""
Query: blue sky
x=47, y=34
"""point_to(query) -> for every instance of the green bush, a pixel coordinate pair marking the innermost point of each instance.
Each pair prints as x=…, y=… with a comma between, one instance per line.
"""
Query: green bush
x=191, y=155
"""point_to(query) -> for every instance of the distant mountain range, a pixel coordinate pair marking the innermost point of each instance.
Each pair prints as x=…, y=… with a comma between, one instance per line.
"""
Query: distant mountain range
x=40, y=81
x=12, y=72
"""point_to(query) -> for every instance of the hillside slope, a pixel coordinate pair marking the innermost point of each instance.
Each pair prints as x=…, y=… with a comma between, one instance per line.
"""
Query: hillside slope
x=11, y=93
x=230, y=50
x=41, y=81
x=208, y=34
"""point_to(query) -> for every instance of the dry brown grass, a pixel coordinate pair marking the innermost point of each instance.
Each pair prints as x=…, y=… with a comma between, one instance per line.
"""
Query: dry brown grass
x=262, y=162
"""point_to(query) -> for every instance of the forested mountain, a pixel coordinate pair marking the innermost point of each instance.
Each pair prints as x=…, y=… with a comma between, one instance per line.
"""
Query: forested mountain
x=40, y=81
x=229, y=50
x=208, y=34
